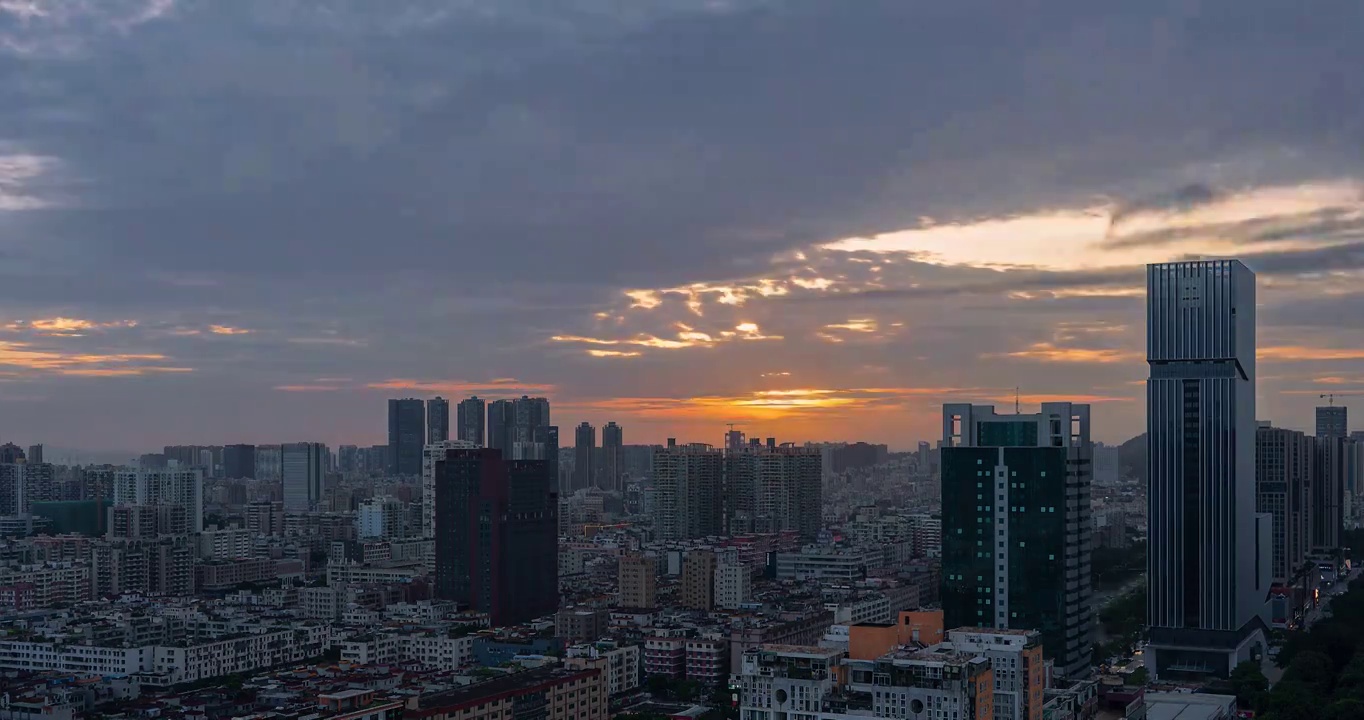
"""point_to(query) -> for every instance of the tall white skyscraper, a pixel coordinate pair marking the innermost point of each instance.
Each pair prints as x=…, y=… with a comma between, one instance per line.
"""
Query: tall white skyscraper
x=302, y=466
x=184, y=488
x=1208, y=569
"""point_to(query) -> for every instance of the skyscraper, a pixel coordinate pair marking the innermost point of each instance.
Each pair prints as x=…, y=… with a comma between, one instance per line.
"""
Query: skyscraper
x=1333, y=422
x=437, y=419
x=1283, y=480
x=469, y=420
x=688, y=492
x=496, y=535
x=406, y=436
x=513, y=421
x=239, y=461
x=182, y=488
x=1328, y=492
x=548, y=438
x=301, y=471
x=35, y=452
x=1016, y=525
x=612, y=457
x=1208, y=558
x=774, y=489
x=584, y=455
x=430, y=455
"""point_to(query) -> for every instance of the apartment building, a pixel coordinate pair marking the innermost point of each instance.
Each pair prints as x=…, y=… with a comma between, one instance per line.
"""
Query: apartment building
x=619, y=663
x=545, y=694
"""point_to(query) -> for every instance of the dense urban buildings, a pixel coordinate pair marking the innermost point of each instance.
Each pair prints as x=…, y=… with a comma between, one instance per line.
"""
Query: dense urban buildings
x=513, y=421
x=470, y=419
x=773, y=489
x=688, y=491
x=496, y=532
x=1016, y=525
x=406, y=436
x=437, y=420
x=179, y=488
x=1209, y=575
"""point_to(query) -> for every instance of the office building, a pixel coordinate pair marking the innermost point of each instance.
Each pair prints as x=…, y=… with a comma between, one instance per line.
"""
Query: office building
x=301, y=472
x=35, y=453
x=1016, y=525
x=1333, y=422
x=406, y=436
x=239, y=461
x=774, y=489
x=1328, y=492
x=470, y=416
x=698, y=580
x=584, y=455
x=1208, y=558
x=437, y=420
x=688, y=492
x=181, y=488
x=1284, y=461
x=611, y=472
x=509, y=567
x=348, y=459
x=637, y=581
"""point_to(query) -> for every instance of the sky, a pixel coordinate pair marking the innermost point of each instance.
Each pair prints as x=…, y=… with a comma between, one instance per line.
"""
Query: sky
x=256, y=220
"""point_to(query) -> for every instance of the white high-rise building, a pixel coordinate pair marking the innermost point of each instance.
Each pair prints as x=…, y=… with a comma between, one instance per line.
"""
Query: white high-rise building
x=184, y=488
x=733, y=585
x=1209, y=569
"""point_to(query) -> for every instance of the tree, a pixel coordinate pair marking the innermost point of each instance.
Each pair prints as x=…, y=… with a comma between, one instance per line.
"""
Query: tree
x=1139, y=677
x=1348, y=709
x=1314, y=671
x=1249, y=683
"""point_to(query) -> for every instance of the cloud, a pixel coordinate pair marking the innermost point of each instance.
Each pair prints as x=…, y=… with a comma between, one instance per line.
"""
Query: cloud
x=308, y=388
x=350, y=182
x=1050, y=352
x=228, y=330
x=1296, y=353
x=27, y=356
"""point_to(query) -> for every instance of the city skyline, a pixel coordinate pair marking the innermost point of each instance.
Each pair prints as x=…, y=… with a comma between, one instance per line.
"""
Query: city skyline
x=905, y=249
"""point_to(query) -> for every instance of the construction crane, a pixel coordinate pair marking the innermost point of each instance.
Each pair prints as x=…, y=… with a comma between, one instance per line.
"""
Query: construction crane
x=1331, y=397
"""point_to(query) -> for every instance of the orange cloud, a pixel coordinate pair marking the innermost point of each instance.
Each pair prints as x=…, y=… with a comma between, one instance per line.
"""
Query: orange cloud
x=24, y=355
x=228, y=330
x=509, y=386
x=122, y=371
x=686, y=337
x=1053, y=353
x=614, y=353
x=1293, y=353
x=66, y=327
x=307, y=388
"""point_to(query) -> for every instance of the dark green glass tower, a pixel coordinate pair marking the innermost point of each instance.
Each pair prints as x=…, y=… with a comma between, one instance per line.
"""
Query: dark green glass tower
x=1016, y=525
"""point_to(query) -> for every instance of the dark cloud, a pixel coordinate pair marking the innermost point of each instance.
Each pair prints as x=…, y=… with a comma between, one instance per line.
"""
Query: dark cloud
x=1182, y=199
x=447, y=184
